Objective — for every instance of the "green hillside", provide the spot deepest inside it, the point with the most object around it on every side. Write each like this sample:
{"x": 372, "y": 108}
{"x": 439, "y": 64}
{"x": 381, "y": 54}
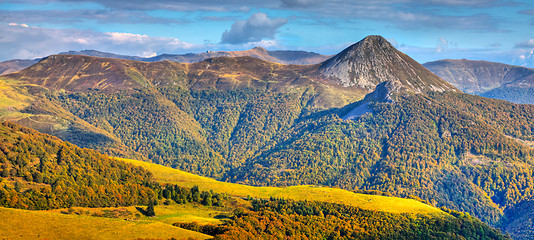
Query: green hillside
{"x": 39, "y": 171}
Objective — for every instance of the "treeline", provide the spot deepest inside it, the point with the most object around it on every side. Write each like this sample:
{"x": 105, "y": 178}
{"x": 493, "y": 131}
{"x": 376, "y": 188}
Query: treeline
{"x": 41, "y": 172}
{"x": 286, "y": 219}
{"x": 183, "y": 195}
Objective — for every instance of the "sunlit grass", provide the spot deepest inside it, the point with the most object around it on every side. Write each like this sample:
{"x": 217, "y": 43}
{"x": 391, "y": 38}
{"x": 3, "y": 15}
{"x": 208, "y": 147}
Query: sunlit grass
{"x": 10, "y": 98}
{"x": 24, "y": 224}
{"x": 311, "y": 193}
{"x": 169, "y": 214}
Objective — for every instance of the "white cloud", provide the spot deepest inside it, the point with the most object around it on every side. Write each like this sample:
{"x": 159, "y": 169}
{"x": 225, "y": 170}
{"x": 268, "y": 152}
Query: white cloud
{"x": 444, "y": 44}
{"x": 256, "y": 28}
{"x": 19, "y": 24}
{"x": 149, "y": 54}
{"x": 19, "y": 41}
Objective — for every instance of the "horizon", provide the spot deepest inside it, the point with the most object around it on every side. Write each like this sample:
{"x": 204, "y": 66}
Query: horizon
{"x": 490, "y": 30}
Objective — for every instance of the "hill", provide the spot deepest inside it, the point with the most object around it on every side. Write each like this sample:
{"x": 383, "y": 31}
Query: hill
{"x": 299, "y": 193}
{"x": 15, "y": 65}
{"x": 24, "y": 224}
{"x": 321, "y": 212}
{"x": 41, "y": 172}
{"x": 278, "y": 56}
{"x": 391, "y": 126}
{"x": 487, "y": 79}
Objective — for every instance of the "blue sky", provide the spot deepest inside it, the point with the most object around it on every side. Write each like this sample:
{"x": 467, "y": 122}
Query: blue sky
{"x": 427, "y": 30}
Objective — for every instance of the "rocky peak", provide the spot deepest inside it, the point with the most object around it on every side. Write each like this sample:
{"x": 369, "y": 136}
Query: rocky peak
{"x": 374, "y": 60}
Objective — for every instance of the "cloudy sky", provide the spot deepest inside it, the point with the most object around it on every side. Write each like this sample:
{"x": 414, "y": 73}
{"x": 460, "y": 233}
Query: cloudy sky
{"x": 493, "y": 30}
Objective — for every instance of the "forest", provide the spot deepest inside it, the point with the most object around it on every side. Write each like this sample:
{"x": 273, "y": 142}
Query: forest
{"x": 430, "y": 146}
{"x": 283, "y": 219}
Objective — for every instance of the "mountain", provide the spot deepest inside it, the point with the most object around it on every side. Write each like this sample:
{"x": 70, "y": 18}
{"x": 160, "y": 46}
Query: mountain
{"x": 373, "y": 61}
{"x": 280, "y": 56}
{"x": 95, "y": 53}
{"x": 15, "y": 65}
{"x": 368, "y": 119}
{"x": 487, "y": 79}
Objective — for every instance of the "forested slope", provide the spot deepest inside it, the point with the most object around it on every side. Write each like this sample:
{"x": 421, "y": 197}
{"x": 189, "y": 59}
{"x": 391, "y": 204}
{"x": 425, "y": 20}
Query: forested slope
{"x": 42, "y": 172}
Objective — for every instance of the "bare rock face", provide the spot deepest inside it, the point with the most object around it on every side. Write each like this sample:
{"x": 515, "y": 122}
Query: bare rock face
{"x": 373, "y": 61}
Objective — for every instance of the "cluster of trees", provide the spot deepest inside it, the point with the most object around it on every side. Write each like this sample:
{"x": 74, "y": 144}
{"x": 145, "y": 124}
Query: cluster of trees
{"x": 149, "y": 124}
{"x": 283, "y": 219}
{"x": 191, "y": 195}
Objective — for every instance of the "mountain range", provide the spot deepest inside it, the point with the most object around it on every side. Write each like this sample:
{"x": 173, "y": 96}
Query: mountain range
{"x": 279, "y": 56}
{"x": 487, "y": 79}
{"x": 368, "y": 119}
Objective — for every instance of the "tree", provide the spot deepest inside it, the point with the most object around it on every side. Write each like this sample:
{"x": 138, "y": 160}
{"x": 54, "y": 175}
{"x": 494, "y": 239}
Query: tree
{"x": 149, "y": 212}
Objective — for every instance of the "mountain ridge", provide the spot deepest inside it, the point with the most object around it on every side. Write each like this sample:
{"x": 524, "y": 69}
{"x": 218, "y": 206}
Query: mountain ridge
{"x": 278, "y": 56}
{"x": 487, "y": 79}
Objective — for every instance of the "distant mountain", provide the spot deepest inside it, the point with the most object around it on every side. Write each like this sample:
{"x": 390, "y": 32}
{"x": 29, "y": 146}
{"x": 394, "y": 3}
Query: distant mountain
{"x": 15, "y": 65}
{"x": 487, "y": 79}
{"x": 369, "y": 118}
{"x": 280, "y": 56}
{"x": 95, "y": 53}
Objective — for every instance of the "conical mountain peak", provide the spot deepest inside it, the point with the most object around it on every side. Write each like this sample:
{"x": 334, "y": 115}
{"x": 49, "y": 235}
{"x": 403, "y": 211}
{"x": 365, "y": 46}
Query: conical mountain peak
{"x": 374, "y": 60}
{"x": 374, "y": 41}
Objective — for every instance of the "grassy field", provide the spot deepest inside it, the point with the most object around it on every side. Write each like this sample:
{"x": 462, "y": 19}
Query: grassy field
{"x": 311, "y": 193}
{"x": 169, "y": 214}
{"x": 23, "y": 224}
{"x": 11, "y": 98}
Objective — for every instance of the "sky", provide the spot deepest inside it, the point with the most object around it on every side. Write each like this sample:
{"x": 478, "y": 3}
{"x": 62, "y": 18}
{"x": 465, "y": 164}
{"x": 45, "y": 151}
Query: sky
{"x": 426, "y": 30}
